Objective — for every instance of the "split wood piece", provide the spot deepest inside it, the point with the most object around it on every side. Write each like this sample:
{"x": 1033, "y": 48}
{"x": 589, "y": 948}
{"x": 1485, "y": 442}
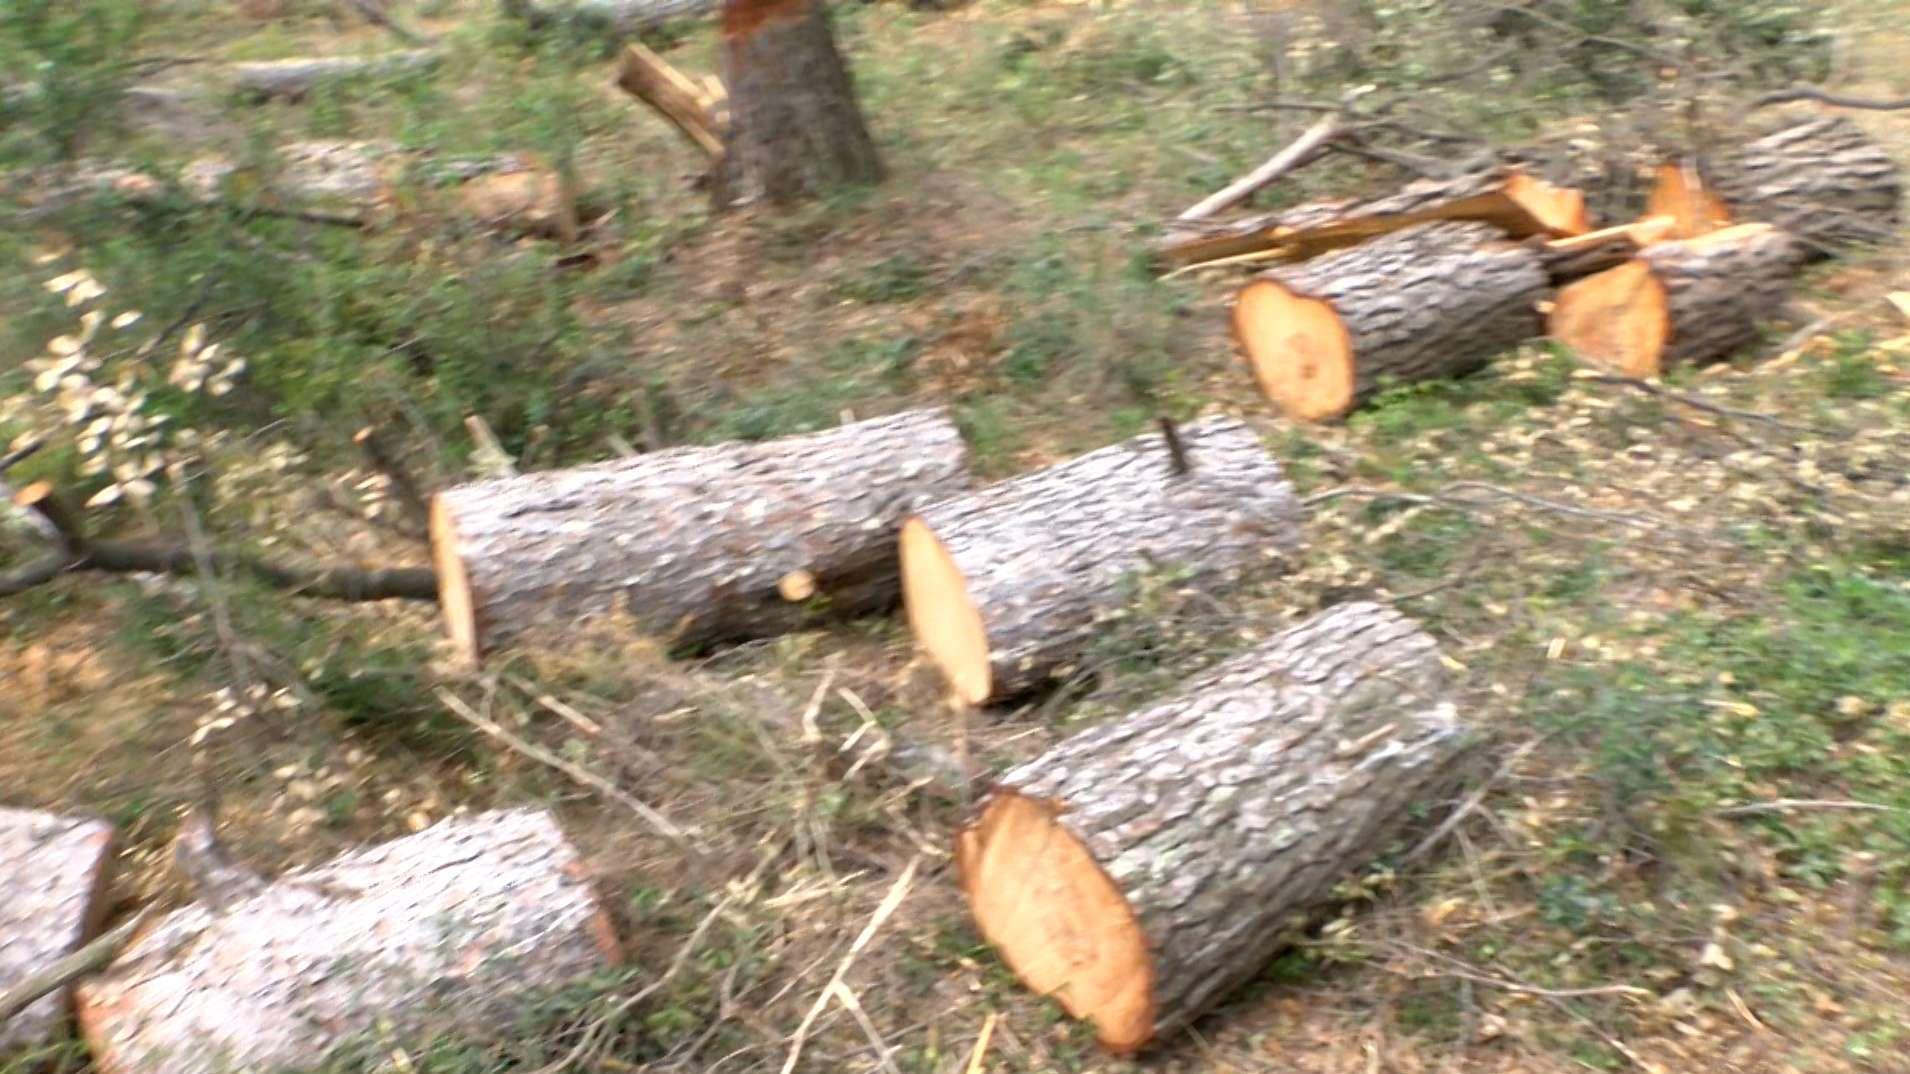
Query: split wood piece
{"x": 612, "y": 18}
{"x": 1695, "y": 301}
{"x": 698, "y": 113}
{"x": 1681, "y": 195}
{"x": 1141, "y": 870}
{"x": 1578, "y": 256}
{"x": 54, "y": 873}
{"x": 1436, "y": 300}
{"x": 453, "y": 929}
{"x": 1006, "y": 585}
{"x": 294, "y": 78}
{"x": 1507, "y": 198}
{"x": 1824, "y": 181}
{"x": 694, "y": 544}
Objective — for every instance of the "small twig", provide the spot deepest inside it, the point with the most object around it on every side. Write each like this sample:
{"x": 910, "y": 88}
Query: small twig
{"x": 1445, "y": 498}
{"x": 980, "y": 1054}
{"x": 1812, "y": 93}
{"x": 1697, "y": 403}
{"x": 1466, "y": 972}
{"x": 1424, "y": 167}
{"x": 661, "y": 824}
{"x": 410, "y": 497}
{"x": 92, "y": 958}
{"x": 890, "y": 902}
{"x": 1303, "y": 148}
{"x": 1176, "y": 450}
{"x": 1451, "y": 823}
{"x": 1791, "y": 805}
{"x": 847, "y": 997}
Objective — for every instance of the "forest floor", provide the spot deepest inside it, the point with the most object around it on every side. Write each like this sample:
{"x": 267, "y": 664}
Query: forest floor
{"x": 1669, "y": 609}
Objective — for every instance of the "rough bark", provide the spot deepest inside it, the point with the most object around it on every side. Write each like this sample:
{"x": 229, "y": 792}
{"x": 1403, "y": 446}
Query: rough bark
{"x": 699, "y": 115}
{"x": 693, "y": 543}
{"x": 1693, "y": 301}
{"x": 448, "y": 930}
{"x": 1435, "y": 300}
{"x": 54, "y": 873}
{"x": 613, "y": 18}
{"x": 1506, "y": 198}
{"x": 1579, "y": 256}
{"x": 1007, "y": 584}
{"x": 294, "y": 78}
{"x": 1822, "y": 180}
{"x": 796, "y": 128}
{"x": 1143, "y": 869}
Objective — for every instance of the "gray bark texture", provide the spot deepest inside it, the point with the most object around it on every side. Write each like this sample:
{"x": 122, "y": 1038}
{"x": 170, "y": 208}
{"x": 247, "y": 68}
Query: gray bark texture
{"x": 1227, "y": 814}
{"x": 293, "y": 79}
{"x": 796, "y": 129}
{"x": 449, "y": 930}
{"x": 1822, "y": 180}
{"x": 613, "y": 18}
{"x": 54, "y": 872}
{"x": 1048, "y": 556}
{"x": 692, "y": 543}
{"x": 1719, "y": 292}
{"x": 1433, "y": 300}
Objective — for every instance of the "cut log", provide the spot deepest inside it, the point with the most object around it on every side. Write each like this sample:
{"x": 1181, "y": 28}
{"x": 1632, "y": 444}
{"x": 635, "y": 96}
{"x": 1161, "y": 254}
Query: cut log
{"x": 1141, "y": 870}
{"x": 54, "y": 873}
{"x": 609, "y": 18}
{"x": 1578, "y": 256}
{"x": 694, "y": 544}
{"x": 1681, "y": 195}
{"x": 1693, "y": 301}
{"x": 293, "y": 79}
{"x": 1008, "y": 584}
{"x": 1436, "y": 300}
{"x": 686, "y": 103}
{"x": 1823, "y": 180}
{"x": 453, "y": 929}
{"x": 1510, "y": 200}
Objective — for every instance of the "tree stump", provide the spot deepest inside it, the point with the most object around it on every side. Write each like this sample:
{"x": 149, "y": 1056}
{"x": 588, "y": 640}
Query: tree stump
{"x": 449, "y": 930}
{"x": 1695, "y": 301}
{"x": 1007, "y": 584}
{"x": 1516, "y": 203}
{"x": 694, "y": 544}
{"x": 1823, "y": 180}
{"x": 795, "y": 126}
{"x": 1142, "y": 869}
{"x": 1436, "y": 300}
{"x": 54, "y": 872}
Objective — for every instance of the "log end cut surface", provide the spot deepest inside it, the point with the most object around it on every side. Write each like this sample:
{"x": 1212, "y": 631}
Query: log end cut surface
{"x": 1059, "y": 922}
{"x": 1299, "y": 349}
{"x": 1619, "y": 318}
{"x": 455, "y": 600}
{"x": 1557, "y": 209}
{"x": 942, "y": 615}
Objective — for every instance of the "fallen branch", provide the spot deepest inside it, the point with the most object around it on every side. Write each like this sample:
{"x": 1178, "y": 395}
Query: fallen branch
{"x": 1302, "y": 150}
{"x": 1451, "y": 823}
{"x": 89, "y": 959}
{"x": 1790, "y": 805}
{"x": 1812, "y": 93}
{"x": 373, "y": 11}
{"x": 890, "y": 902}
{"x": 1445, "y": 497}
{"x": 295, "y": 78}
{"x": 696, "y": 112}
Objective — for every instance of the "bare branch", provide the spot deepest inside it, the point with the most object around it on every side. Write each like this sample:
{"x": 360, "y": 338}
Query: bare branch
{"x": 1812, "y": 93}
{"x": 89, "y": 959}
{"x": 1303, "y": 149}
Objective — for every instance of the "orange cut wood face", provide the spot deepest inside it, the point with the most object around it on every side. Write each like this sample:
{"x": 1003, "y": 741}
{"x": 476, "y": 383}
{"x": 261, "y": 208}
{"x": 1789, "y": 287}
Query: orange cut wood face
{"x": 1058, "y": 920}
{"x": 1556, "y": 209}
{"x": 1299, "y": 349}
{"x": 1680, "y": 193}
{"x": 1620, "y": 319}
{"x": 455, "y": 601}
{"x": 941, "y": 614}
{"x": 743, "y": 17}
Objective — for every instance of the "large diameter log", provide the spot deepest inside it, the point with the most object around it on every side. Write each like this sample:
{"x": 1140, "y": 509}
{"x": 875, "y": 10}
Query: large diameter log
{"x": 1822, "y": 180}
{"x": 695, "y": 544}
{"x": 294, "y": 78}
{"x": 54, "y": 873}
{"x": 1435, "y": 300}
{"x": 453, "y": 929}
{"x": 1695, "y": 301}
{"x": 1006, "y": 585}
{"x": 1143, "y": 869}
{"x": 1510, "y": 200}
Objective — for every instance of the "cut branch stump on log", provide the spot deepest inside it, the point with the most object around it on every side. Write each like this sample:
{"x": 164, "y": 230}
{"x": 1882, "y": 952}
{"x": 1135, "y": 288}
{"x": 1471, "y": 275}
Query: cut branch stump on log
{"x": 693, "y": 543}
{"x": 1510, "y": 200}
{"x": 1141, "y": 870}
{"x": 1695, "y": 301}
{"x": 1005, "y": 585}
{"x": 1435, "y": 300}
{"x": 451, "y": 929}
{"x": 1823, "y": 180}
{"x": 54, "y": 873}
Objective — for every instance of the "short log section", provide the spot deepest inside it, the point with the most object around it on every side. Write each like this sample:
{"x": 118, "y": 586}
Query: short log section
{"x": 1823, "y": 180}
{"x": 1695, "y": 301}
{"x": 1436, "y": 300}
{"x": 694, "y": 544}
{"x": 54, "y": 872}
{"x": 1517, "y": 204}
{"x": 1143, "y": 869}
{"x": 449, "y": 930}
{"x": 1008, "y": 584}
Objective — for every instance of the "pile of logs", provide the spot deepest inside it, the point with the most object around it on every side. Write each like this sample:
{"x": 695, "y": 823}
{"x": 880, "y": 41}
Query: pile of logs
{"x": 1435, "y": 280}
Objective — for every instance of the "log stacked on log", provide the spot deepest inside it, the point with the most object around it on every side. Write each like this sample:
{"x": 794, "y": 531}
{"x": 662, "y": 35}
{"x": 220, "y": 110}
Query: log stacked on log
{"x": 1141, "y": 870}
{"x": 1823, "y": 180}
{"x": 295, "y": 78}
{"x": 1433, "y": 300}
{"x": 1005, "y": 585}
{"x": 54, "y": 873}
{"x": 1510, "y": 200}
{"x": 451, "y": 929}
{"x": 694, "y": 544}
{"x": 1694, "y": 301}
{"x": 1578, "y": 256}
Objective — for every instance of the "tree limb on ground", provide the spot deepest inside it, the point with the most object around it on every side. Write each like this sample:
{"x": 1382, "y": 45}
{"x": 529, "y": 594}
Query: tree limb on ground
{"x": 1303, "y": 149}
{"x": 1812, "y": 93}
{"x": 89, "y": 959}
